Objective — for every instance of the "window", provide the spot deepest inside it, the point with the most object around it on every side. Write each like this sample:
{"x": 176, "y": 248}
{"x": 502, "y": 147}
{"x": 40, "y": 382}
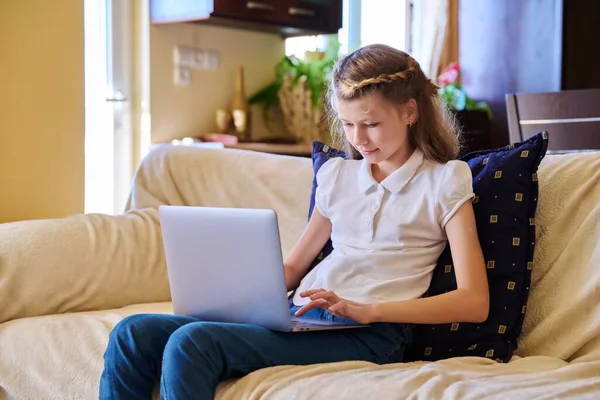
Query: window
{"x": 386, "y": 22}
{"x": 108, "y": 123}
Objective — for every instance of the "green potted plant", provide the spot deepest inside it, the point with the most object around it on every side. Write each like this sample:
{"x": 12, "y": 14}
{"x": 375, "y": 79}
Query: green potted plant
{"x": 473, "y": 116}
{"x": 455, "y": 96}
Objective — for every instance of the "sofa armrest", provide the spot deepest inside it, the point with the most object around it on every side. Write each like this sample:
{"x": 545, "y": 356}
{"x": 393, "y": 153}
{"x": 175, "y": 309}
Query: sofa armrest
{"x": 79, "y": 263}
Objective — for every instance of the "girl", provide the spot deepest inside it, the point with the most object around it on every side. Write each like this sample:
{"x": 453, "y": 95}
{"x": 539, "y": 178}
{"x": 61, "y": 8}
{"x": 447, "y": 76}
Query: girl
{"x": 389, "y": 216}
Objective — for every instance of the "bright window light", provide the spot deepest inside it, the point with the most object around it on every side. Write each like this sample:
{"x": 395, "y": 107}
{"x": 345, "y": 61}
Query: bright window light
{"x": 387, "y": 27}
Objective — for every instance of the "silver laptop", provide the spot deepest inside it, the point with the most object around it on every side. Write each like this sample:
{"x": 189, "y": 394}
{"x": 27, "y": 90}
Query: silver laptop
{"x": 225, "y": 265}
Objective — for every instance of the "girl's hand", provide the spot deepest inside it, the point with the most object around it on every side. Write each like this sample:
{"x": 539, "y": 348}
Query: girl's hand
{"x": 321, "y": 298}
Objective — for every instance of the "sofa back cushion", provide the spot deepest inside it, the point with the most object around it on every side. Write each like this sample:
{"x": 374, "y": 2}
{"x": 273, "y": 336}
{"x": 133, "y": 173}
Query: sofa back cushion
{"x": 563, "y": 311}
{"x": 506, "y": 190}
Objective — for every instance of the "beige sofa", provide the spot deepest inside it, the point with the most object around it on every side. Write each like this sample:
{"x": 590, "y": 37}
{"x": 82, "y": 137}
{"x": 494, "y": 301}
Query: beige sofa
{"x": 65, "y": 283}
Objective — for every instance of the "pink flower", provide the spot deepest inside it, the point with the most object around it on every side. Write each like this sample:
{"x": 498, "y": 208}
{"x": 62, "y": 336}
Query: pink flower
{"x": 449, "y": 75}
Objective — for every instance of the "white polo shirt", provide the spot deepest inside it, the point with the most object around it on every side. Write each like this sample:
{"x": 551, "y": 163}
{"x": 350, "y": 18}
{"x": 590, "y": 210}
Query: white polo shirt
{"x": 386, "y": 236}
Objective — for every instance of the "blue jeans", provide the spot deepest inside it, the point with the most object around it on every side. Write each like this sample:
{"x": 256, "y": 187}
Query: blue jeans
{"x": 190, "y": 357}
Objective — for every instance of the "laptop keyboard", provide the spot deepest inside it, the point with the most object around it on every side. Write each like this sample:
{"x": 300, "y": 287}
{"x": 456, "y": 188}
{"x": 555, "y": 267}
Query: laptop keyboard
{"x": 302, "y": 322}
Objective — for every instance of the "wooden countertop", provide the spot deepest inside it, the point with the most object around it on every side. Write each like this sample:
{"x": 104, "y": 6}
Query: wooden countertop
{"x": 300, "y": 150}
{"x": 303, "y": 150}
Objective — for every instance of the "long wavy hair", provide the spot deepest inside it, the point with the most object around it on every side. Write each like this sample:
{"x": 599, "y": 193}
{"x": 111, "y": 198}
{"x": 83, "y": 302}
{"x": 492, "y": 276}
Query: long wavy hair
{"x": 397, "y": 77}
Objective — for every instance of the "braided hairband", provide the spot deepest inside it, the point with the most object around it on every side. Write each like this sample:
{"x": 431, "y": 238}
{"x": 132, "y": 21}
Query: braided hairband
{"x": 349, "y": 89}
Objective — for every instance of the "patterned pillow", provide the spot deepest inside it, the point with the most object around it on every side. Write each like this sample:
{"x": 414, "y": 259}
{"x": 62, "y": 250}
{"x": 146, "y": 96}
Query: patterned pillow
{"x": 506, "y": 190}
{"x": 320, "y": 154}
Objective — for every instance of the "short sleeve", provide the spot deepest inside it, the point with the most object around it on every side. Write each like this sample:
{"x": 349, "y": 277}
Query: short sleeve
{"x": 326, "y": 177}
{"x": 455, "y": 188}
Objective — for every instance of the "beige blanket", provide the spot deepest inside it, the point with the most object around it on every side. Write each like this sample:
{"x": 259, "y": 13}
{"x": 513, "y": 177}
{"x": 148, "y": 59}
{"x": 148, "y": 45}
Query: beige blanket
{"x": 60, "y": 357}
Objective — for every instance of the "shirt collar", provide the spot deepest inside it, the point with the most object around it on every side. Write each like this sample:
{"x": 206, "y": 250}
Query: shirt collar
{"x": 396, "y": 181}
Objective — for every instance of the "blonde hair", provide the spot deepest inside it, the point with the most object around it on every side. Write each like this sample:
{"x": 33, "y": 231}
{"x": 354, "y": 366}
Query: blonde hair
{"x": 397, "y": 77}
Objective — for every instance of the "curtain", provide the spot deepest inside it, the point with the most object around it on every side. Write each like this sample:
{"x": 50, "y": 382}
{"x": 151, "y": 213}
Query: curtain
{"x": 436, "y": 33}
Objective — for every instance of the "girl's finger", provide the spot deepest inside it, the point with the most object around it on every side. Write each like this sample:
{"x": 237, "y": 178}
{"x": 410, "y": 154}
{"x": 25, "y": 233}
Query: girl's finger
{"x": 320, "y": 303}
{"x": 307, "y": 293}
{"x": 330, "y": 296}
{"x": 339, "y": 310}
{"x": 337, "y": 307}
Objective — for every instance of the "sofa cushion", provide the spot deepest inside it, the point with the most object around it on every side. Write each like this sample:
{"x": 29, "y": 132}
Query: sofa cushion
{"x": 506, "y": 191}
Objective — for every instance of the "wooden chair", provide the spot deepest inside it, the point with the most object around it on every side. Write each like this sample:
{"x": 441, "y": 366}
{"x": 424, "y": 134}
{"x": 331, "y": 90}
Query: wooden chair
{"x": 571, "y": 118}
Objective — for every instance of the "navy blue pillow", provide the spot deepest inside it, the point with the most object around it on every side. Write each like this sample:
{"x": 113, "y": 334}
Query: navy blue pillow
{"x": 320, "y": 154}
{"x": 506, "y": 191}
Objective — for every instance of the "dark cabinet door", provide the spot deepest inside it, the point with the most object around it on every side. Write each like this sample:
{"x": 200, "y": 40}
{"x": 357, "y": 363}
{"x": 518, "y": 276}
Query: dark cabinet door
{"x": 320, "y": 15}
{"x": 266, "y": 11}
{"x": 288, "y": 17}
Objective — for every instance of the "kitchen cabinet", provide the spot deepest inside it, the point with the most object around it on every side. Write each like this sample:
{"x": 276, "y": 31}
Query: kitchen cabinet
{"x": 285, "y": 17}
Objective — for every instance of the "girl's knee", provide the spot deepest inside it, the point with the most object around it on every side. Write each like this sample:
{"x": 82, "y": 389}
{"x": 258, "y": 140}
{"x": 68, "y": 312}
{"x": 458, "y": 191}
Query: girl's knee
{"x": 193, "y": 338}
{"x": 134, "y": 327}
